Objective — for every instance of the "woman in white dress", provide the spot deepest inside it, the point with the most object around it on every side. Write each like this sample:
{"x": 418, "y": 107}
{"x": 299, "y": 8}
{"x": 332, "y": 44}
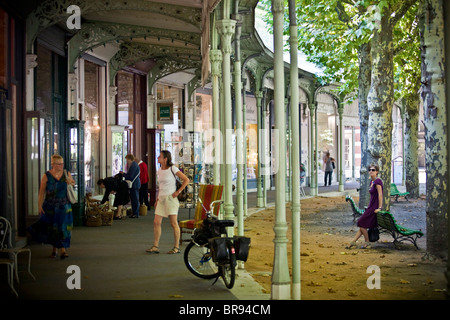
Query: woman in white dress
{"x": 167, "y": 205}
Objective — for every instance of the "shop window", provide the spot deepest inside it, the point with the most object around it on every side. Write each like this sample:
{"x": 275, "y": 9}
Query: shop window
{"x": 3, "y": 48}
{"x": 173, "y": 139}
{"x": 44, "y": 80}
{"x": 92, "y": 126}
{"x": 125, "y": 98}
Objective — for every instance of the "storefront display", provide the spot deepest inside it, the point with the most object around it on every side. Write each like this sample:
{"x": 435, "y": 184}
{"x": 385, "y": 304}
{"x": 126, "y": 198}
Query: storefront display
{"x": 118, "y": 147}
{"x": 92, "y": 126}
{"x": 74, "y": 164}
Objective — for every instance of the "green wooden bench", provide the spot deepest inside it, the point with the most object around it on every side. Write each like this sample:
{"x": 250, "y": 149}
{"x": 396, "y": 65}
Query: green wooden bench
{"x": 357, "y": 212}
{"x": 387, "y": 224}
{"x": 395, "y": 193}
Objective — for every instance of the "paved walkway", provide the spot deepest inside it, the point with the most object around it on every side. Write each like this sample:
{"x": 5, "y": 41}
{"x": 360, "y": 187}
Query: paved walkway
{"x": 114, "y": 265}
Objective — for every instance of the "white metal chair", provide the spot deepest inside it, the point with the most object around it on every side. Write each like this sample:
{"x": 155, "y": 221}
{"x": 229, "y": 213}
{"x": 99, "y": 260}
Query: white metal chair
{"x": 6, "y": 246}
{"x": 10, "y": 265}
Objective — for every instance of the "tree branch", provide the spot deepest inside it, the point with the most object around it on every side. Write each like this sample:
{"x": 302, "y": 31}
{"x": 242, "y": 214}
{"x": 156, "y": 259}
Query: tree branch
{"x": 401, "y": 11}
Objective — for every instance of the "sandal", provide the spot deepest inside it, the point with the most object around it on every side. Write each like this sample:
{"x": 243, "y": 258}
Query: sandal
{"x": 351, "y": 245}
{"x": 53, "y": 255}
{"x": 366, "y": 245}
{"x": 64, "y": 255}
{"x": 174, "y": 250}
{"x": 151, "y": 250}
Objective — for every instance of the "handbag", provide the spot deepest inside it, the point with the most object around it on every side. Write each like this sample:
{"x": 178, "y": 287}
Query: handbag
{"x": 374, "y": 234}
{"x": 183, "y": 194}
{"x": 130, "y": 183}
{"x": 71, "y": 194}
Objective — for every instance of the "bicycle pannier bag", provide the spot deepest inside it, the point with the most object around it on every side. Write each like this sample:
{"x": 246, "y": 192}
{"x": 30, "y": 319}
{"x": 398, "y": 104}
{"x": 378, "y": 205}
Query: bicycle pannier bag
{"x": 219, "y": 249}
{"x": 241, "y": 246}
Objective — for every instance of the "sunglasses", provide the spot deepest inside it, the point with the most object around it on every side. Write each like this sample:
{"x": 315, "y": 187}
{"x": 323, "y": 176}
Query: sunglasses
{"x": 372, "y": 169}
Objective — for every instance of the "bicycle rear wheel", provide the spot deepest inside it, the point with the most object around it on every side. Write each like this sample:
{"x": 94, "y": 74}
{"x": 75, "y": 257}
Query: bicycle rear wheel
{"x": 228, "y": 273}
{"x": 199, "y": 261}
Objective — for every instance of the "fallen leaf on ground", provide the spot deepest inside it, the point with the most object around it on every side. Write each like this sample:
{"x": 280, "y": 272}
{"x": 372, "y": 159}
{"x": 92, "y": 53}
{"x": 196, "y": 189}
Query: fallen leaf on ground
{"x": 404, "y": 281}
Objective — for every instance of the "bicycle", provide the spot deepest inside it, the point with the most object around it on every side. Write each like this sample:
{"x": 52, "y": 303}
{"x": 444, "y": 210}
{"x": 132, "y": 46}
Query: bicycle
{"x": 211, "y": 253}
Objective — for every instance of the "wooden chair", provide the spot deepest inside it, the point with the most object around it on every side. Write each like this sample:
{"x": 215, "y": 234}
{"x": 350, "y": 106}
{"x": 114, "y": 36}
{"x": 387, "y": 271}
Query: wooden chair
{"x": 207, "y": 193}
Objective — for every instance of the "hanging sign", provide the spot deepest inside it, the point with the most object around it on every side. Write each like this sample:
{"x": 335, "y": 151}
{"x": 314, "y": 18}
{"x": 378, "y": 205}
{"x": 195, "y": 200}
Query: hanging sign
{"x": 165, "y": 112}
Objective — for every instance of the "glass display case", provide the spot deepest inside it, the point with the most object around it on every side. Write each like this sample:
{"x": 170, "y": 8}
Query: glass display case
{"x": 155, "y": 137}
{"x": 119, "y": 148}
{"x": 75, "y": 165}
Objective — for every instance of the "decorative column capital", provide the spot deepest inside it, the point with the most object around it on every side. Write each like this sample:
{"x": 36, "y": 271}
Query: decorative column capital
{"x": 226, "y": 29}
{"x": 31, "y": 62}
{"x": 340, "y": 110}
{"x": 216, "y": 60}
{"x": 72, "y": 79}
{"x": 258, "y": 94}
{"x": 278, "y": 6}
{"x": 112, "y": 91}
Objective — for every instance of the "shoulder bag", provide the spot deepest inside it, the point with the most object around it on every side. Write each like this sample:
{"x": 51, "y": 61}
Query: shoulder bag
{"x": 71, "y": 194}
{"x": 130, "y": 183}
{"x": 374, "y": 234}
{"x": 183, "y": 194}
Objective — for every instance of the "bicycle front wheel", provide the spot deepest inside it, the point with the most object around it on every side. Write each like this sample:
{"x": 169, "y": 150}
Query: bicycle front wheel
{"x": 199, "y": 261}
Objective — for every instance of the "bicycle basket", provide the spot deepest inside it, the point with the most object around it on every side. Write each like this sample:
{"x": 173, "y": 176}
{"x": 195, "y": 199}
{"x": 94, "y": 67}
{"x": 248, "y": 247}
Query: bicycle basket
{"x": 219, "y": 249}
{"x": 241, "y": 247}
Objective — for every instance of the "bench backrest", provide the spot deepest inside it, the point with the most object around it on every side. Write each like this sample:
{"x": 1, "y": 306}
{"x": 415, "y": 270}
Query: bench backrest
{"x": 208, "y": 193}
{"x": 386, "y": 220}
{"x": 353, "y": 205}
{"x": 394, "y": 188}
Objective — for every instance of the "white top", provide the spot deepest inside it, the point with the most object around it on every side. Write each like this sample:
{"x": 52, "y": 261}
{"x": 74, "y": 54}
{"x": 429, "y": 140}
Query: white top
{"x": 166, "y": 181}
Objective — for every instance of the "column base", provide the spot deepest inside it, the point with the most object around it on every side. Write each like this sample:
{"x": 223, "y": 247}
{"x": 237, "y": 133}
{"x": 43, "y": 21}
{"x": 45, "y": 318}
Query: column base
{"x": 296, "y": 291}
{"x": 281, "y": 291}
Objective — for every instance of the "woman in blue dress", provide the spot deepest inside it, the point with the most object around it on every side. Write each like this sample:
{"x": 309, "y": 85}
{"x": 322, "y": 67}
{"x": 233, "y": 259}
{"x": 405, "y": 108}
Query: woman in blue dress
{"x": 369, "y": 218}
{"x": 54, "y": 207}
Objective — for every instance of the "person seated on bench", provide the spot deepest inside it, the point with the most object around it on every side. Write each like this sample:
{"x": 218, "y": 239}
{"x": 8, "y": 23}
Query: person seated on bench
{"x": 369, "y": 217}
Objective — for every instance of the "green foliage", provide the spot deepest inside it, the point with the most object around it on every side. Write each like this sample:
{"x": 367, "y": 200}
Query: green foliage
{"x": 331, "y": 33}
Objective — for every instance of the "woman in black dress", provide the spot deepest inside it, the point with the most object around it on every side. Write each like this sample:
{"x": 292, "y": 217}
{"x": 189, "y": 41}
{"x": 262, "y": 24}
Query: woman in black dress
{"x": 118, "y": 186}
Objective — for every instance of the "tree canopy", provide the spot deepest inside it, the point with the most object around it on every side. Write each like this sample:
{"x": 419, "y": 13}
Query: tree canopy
{"x": 332, "y": 32}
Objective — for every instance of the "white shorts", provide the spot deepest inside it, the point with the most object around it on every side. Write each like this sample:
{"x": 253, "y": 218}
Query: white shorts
{"x": 167, "y": 205}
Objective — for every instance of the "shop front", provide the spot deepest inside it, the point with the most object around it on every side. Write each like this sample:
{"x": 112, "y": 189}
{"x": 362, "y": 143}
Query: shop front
{"x": 11, "y": 106}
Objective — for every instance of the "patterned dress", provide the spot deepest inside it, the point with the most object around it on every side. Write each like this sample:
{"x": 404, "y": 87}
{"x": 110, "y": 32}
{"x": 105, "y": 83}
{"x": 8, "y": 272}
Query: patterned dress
{"x": 369, "y": 217}
{"x": 57, "y": 221}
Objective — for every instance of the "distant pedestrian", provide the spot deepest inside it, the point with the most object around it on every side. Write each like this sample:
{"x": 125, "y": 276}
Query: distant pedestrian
{"x": 329, "y": 165}
{"x": 132, "y": 175}
{"x": 368, "y": 219}
{"x": 143, "y": 191}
